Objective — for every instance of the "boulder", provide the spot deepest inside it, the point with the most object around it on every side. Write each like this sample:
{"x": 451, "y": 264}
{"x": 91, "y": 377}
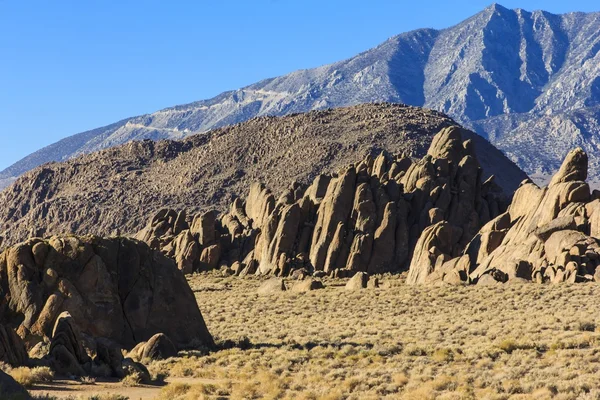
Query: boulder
{"x": 274, "y": 285}
{"x": 358, "y": 281}
{"x": 433, "y": 248}
{"x": 203, "y": 227}
{"x": 116, "y": 288}
{"x": 158, "y": 347}
{"x": 307, "y": 285}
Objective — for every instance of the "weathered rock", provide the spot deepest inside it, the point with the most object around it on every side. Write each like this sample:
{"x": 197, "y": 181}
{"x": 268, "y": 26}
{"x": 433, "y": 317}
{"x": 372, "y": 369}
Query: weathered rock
{"x": 335, "y": 208}
{"x": 358, "y": 281}
{"x": 117, "y": 288}
{"x": 434, "y": 244}
{"x": 366, "y": 218}
{"x": 12, "y": 348}
{"x": 573, "y": 168}
{"x": 187, "y": 252}
{"x": 67, "y": 354}
{"x": 158, "y": 347}
{"x": 203, "y": 227}
{"x": 307, "y": 285}
{"x": 384, "y": 242}
{"x": 210, "y": 256}
{"x": 274, "y": 285}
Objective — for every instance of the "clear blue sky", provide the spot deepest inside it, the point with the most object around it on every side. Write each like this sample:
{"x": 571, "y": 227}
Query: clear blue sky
{"x": 67, "y": 66}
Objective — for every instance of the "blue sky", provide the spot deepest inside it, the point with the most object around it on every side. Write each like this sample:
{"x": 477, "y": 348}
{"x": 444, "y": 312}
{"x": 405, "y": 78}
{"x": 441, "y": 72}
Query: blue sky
{"x": 67, "y": 66}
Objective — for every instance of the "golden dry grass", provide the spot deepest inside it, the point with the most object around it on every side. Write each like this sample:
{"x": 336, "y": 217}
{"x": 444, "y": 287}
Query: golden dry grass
{"x": 30, "y": 376}
{"x": 449, "y": 342}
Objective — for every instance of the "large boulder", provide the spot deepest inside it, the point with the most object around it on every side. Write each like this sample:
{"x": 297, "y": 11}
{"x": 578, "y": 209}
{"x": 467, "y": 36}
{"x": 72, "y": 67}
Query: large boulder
{"x": 158, "y": 347}
{"x": 307, "y": 285}
{"x": 117, "y": 288}
{"x": 358, "y": 281}
{"x": 67, "y": 354}
{"x": 273, "y": 285}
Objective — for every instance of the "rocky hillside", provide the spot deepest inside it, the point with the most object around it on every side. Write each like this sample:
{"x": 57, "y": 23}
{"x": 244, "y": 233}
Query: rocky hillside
{"x": 116, "y": 190}
{"x": 367, "y": 218}
{"x": 522, "y": 79}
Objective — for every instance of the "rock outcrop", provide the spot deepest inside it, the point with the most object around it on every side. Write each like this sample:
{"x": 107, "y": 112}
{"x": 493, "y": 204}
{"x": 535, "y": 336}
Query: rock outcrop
{"x": 118, "y": 289}
{"x": 66, "y": 348}
{"x": 366, "y": 218}
{"x": 547, "y": 235}
{"x": 12, "y": 348}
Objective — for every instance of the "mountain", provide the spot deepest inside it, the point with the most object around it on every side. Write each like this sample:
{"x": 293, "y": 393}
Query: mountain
{"x": 115, "y": 191}
{"x": 527, "y": 81}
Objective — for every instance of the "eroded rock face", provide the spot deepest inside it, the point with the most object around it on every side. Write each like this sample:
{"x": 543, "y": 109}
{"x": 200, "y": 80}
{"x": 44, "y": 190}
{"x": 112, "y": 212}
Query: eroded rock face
{"x": 548, "y": 235}
{"x": 12, "y": 348}
{"x": 66, "y": 348}
{"x": 367, "y": 218}
{"x": 117, "y": 289}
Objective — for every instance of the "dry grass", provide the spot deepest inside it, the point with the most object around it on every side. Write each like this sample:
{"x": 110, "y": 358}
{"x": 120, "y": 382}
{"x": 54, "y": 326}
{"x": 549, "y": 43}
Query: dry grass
{"x": 30, "y": 376}
{"x": 512, "y": 341}
{"x": 94, "y": 397}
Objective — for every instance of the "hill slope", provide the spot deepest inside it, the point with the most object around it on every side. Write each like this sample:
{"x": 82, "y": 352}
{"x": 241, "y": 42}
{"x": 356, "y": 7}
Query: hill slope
{"x": 116, "y": 190}
{"x": 521, "y": 79}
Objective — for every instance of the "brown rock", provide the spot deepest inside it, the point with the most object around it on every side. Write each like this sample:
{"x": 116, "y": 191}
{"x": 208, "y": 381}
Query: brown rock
{"x": 210, "y": 257}
{"x": 435, "y": 241}
{"x": 384, "y": 242}
{"x": 203, "y": 227}
{"x": 573, "y": 168}
{"x": 307, "y": 285}
{"x": 335, "y": 208}
{"x": 274, "y": 285}
{"x": 158, "y": 347}
{"x": 117, "y": 288}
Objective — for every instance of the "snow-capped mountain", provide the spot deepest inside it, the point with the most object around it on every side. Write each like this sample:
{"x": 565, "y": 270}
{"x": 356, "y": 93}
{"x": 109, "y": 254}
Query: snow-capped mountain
{"x": 527, "y": 81}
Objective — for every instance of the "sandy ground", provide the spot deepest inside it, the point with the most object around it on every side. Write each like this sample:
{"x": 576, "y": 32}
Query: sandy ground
{"x": 66, "y": 388}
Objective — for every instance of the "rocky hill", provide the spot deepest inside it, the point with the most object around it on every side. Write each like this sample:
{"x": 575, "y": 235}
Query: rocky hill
{"x": 521, "y": 79}
{"x": 116, "y": 190}
{"x": 366, "y": 218}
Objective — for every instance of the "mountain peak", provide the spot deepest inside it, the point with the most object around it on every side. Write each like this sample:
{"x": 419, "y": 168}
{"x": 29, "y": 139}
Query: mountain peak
{"x": 511, "y": 74}
{"x": 495, "y": 7}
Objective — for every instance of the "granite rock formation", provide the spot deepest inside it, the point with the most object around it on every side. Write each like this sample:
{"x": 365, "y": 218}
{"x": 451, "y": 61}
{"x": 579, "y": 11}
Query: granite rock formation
{"x": 366, "y": 218}
{"x": 118, "y": 289}
{"x": 548, "y": 235}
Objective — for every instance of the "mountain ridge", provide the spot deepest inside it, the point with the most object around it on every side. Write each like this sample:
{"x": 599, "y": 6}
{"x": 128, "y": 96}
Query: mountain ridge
{"x": 114, "y": 191}
{"x": 527, "y": 66}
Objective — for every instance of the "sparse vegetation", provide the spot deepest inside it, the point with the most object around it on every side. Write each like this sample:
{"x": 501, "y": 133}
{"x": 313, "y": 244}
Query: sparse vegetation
{"x": 31, "y": 376}
{"x": 395, "y": 342}
{"x": 408, "y": 342}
